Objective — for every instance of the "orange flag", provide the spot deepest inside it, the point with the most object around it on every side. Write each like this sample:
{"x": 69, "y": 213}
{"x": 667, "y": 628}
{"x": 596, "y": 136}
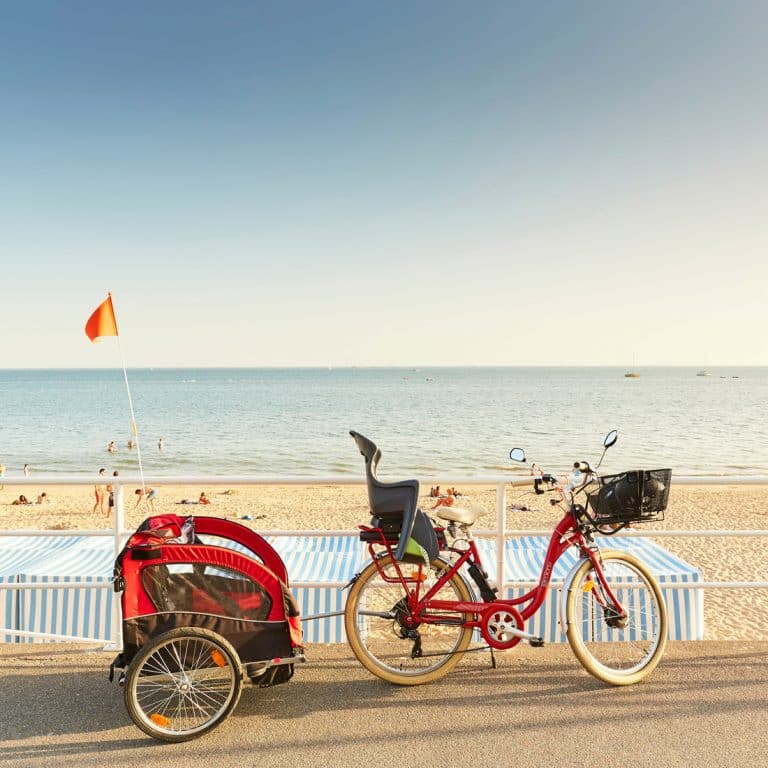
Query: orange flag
{"x": 102, "y": 322}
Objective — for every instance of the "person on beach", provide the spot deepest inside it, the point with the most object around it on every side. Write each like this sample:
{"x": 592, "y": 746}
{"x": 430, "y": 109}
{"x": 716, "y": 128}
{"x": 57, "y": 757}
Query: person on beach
{"x": 202, "y": 500}
{"x": 444, "y": 501}
{"x": 42, "y": 498}
{"x": 26, "y": 470}
{"x": 111, "y": 491}
{"x": 100, "y": 491}
{"x": 21, "y": 500}
{"x": 160, "y": 444}
{"x": 2, "y": 474}
{"x": 112, "y": 448}
{"x": 130, "y": 445}
{"x": 150, "y": 494}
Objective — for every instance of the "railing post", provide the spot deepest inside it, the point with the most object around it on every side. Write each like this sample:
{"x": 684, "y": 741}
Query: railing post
{"x": 116, "y": 633}
{"x": 501, "y": 527}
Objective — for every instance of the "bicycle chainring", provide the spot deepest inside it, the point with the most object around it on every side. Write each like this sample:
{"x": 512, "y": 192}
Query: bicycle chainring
{"x": 495, "y": 625}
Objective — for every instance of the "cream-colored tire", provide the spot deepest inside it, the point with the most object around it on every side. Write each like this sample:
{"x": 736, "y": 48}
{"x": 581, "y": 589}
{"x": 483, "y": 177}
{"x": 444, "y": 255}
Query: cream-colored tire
{"x": 376, "y": 636}
{"x": 617, "y": 650}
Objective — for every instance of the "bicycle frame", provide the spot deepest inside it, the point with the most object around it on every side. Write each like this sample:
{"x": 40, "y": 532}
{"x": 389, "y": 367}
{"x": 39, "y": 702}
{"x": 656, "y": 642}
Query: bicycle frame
{"x": 426, "y": 610}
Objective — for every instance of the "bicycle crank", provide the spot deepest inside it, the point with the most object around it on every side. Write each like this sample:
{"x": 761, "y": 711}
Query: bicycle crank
{"x": 502, "y": 628}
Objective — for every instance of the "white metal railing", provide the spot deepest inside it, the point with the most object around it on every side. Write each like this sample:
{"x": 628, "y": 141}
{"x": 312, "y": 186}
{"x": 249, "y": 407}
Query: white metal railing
{"x": 119, "y": 533}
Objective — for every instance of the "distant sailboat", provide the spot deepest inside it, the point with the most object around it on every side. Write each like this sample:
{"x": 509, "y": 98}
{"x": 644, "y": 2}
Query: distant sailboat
{"x": 633, "y": 373}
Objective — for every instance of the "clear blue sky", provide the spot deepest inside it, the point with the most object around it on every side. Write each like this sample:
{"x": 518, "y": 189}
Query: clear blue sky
{"x": 376, "y": 183}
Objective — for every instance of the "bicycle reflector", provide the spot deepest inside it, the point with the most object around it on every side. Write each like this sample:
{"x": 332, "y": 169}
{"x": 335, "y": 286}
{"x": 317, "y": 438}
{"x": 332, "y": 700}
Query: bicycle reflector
{"x": 160, "y": 720}
{"x": 217, "y": 657}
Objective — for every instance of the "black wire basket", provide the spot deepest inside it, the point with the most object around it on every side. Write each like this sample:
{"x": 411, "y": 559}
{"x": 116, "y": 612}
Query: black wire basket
{"x": 635, "y": 496}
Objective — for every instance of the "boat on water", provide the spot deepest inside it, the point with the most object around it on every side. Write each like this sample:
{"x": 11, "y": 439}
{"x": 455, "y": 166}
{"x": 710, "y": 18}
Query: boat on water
{"x": 632, "y": 373}
{"x": 703, "y": 373}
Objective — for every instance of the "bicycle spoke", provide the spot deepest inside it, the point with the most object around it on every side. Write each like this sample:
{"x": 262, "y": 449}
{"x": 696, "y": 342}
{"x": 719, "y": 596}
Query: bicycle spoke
{"x": 181, "y": 689}
{"x": 617, "y": 642}
{"x": 388, "y": 642}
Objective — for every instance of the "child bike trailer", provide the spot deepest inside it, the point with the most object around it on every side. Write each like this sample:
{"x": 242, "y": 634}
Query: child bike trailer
{"x": 205, "y": 604}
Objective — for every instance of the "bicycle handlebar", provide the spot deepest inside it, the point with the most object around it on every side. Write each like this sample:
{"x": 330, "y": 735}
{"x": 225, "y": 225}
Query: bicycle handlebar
{"x": 583, "y": 474}
{"x": 545, "y": 478}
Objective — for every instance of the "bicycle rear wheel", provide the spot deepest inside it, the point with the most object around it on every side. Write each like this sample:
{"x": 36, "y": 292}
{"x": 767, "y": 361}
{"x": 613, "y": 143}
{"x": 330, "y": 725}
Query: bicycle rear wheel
{"x": 618, "y": 647}
{"x": 182, "y": 684}
{"x": 373, "y": 619}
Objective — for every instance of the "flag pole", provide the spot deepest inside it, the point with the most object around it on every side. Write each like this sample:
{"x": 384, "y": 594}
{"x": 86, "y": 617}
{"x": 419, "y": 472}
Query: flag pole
{"x": 134, "y": 428}
{"x": 103, "y": 322}
{"x": 133, "y": 418}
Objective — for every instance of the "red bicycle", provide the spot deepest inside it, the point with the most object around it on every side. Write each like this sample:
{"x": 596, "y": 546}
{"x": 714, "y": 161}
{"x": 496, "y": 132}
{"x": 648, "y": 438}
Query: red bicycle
{"x": 412, "y": 612}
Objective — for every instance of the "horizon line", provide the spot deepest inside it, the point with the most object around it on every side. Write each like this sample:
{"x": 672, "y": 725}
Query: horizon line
{"x": 402, "y": 366}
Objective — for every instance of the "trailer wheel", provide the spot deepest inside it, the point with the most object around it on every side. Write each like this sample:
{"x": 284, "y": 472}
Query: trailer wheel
{"x": 182, "y": 684}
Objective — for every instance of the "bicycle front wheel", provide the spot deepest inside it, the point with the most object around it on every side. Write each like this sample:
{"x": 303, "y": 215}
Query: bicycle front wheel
{"x": 383, "y": 642}
{"x": 621, "y": 644}
{"x": 182, "y": 684}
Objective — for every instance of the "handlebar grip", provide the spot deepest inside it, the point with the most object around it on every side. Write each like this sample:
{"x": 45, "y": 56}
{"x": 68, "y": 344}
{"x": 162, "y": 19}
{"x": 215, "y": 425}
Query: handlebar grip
{"x": 537, "y": 481}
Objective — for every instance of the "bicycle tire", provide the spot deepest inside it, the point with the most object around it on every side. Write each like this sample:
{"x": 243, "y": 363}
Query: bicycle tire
{"x": 376, "y": 640}
{"x": 615, "y": 654}
{"x": 182, "y": 684}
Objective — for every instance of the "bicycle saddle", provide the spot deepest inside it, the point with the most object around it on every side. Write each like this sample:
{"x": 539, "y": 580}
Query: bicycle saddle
{"x": 461, "y": 515}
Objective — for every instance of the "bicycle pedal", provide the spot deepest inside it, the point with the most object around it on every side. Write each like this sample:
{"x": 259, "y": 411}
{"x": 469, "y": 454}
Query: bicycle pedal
{"x": 537, "y": 642}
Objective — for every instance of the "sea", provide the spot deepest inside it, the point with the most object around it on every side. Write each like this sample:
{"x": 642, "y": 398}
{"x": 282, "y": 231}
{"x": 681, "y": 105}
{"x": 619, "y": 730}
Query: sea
{"x": 428, "y": 422}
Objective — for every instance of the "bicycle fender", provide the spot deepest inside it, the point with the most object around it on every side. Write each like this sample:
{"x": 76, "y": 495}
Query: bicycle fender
{"x": 565, "y": 591}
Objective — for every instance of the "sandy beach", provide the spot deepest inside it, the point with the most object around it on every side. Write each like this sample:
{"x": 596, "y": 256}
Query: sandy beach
{"x": 733, "y": 614}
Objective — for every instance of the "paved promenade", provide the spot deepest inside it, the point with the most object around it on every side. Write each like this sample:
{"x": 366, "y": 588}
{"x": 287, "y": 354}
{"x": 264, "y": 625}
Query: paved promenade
{"x": 706, "y": 704}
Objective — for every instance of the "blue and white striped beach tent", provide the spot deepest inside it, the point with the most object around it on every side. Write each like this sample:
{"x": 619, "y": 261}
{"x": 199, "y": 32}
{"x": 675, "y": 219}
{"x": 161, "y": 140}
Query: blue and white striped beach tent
{"x": 54, "y": 560}
{"x": 8, "y": 608}
{"x": 524, "y": 558}
{"x": 323, "y": 564}
{"x": 328, "y": 560}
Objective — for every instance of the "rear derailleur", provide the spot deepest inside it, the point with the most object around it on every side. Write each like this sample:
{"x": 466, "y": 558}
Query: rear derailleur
{"x": 404, "y": 627}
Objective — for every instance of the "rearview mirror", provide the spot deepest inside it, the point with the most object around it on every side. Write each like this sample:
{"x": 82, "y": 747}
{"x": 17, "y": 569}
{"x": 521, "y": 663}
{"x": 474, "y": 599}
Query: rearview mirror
{"x": 610, "y": 438}
{"x": 517, "y": 454}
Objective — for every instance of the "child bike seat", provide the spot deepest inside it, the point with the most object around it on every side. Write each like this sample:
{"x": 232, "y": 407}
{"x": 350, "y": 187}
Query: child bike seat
{"x": 396, "y": 500}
